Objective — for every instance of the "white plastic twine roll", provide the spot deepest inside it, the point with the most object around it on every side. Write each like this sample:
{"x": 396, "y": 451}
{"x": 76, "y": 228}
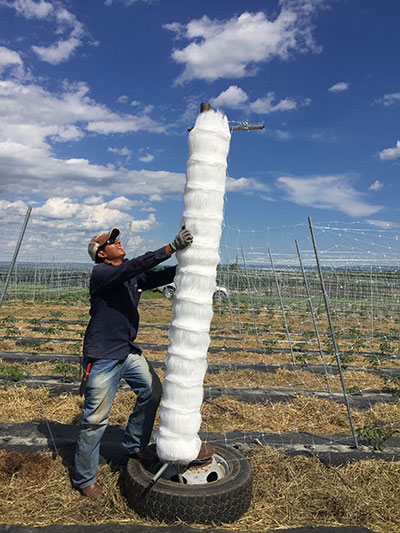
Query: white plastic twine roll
{"x": 186, "y": 361}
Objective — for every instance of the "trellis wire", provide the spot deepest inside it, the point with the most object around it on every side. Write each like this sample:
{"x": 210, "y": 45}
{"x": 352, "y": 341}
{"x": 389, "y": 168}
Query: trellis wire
{"x": 250, "y": 297}
{"x": 282, "y": 308}
{"x": 361, "y": 295}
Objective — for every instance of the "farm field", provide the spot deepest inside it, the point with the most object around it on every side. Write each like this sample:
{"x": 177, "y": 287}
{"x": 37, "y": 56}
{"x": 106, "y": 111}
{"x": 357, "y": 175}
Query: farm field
{"x": 261, "y": 384}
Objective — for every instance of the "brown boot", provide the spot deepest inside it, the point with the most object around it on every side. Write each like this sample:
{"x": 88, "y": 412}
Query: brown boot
{"x": 147, "y": 455}
{"x": 92, "y": 491}
{"x": 204, "y": 456}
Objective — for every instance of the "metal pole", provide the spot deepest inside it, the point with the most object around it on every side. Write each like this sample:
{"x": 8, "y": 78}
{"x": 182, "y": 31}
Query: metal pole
{"x": 339, "y": 364}
{"x": 251, "y": 298}
{"x": 282, "y": 308}
{"x": 313, "y": 318}
{"x": 16, "y": 251}
{"x": 159, "y": 473}
{"x": 372, "y": 302}
{"x": 243, "y": 125}
{"x": 247, "y": 127}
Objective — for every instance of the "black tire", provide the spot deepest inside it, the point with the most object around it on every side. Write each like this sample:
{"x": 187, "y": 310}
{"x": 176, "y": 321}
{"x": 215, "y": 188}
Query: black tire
{"x": 219, "y": 296}
{"x": 221, "y": 501}
{"x": 169, "y": 292}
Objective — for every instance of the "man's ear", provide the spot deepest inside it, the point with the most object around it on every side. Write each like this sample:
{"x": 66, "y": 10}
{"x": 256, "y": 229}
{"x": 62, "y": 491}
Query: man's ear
{"x": 102, "y": 254}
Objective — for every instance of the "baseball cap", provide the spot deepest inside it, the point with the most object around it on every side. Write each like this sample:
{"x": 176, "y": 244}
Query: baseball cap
{"x": 100, "y": 239}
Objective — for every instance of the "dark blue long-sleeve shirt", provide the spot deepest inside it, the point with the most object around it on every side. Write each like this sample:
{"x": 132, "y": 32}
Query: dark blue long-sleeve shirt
{"x": 114, "y": 298}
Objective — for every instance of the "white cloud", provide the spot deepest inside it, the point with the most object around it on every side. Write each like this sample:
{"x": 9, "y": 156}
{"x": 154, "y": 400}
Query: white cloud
{"x": 234, "y": 96}
{"x": 238, "y": 185}
{"x": 57, "y": 53}
{"x": 126, "y": 3}
{"x": 303, "y": 5}
{"x": 121, "y": 202}
{"x": 148, "y": 158}
{"x": 383, "y": 224}
{"x": 63, "y": 214}
{"x": 10, "y": 58}
{"x": 156, "y": 197}
{"x": 327, "y": 192}
{"x": 64, "y": 48}
{"x": 93, "y": 200}
{"x": 234, "y": 48}
{"x": 124, "y": 152}
{"x": 65, "y": 21}
{"x": 246, "y": 185}
{"x": 61, "y": 226}
{"x": 281, "y": 135}
{"x": 12, "y": 211}
{"x": 376, "y": 186}
{"x": 339, "y": 87}
{"x": 389, "y": 99}
{"x": 265, "y": 105}
{"x": 59, "y": 208}
{"x": 30, "y": 9}
{"x": 31, "y": 115}
{"x": 145, "y": 225}
{"x": 390, "y": 153}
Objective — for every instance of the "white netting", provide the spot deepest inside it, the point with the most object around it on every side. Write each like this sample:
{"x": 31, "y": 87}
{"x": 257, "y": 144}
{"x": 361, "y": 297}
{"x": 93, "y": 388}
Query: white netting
{"x": 180, "y": 420}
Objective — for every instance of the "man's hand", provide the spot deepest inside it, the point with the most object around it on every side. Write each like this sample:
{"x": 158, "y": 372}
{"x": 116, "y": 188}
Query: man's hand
{"x": 183, "y": 239}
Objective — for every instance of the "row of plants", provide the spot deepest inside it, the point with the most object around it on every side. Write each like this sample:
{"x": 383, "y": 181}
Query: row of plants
{"x": 16, "y": 372}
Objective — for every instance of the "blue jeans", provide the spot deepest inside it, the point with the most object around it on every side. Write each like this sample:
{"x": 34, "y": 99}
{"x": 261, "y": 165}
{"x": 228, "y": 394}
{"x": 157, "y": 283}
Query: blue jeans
{"x": 101, "y": 388}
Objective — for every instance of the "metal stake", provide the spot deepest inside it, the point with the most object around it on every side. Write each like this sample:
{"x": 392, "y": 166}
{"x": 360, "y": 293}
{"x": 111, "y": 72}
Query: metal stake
{"x": 16, "y": 251}
{"x": 160, "y": 472}
{"x": 313, "y": 318}
{"x": 372, "y": 302}
{"x": 282, "y": 308}
{"x": 338, "y": 362}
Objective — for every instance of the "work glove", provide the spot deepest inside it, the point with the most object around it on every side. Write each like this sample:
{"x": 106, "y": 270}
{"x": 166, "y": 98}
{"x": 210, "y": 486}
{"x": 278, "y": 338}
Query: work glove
{"x": 183, "y": 239}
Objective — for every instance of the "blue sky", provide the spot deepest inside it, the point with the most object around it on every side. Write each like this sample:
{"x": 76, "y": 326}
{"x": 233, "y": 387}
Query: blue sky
{"x": 96, "y": 97}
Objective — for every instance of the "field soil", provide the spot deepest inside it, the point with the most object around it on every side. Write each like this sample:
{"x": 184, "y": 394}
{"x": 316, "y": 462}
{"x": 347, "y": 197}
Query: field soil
{"x": 289, "y": 491}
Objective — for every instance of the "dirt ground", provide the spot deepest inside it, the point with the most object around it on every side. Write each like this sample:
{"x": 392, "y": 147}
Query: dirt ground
{"x": 35, "y": 489}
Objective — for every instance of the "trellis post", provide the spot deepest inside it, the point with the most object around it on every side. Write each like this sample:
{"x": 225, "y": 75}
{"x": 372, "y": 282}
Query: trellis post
{"x": 14, "y": 259}
{"x": 336, "y": 350}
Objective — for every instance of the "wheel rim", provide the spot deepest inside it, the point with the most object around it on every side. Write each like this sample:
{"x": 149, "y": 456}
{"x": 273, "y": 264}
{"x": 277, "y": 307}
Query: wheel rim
{"x": 168, "y": 293}
{"x": 213, "y": 471}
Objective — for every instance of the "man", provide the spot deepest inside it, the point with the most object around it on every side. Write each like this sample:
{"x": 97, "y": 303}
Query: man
{"x": 110, "y": 353}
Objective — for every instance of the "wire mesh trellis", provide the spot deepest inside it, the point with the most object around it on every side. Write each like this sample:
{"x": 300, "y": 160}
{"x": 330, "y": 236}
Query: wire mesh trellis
{"x": 360, "y": 267}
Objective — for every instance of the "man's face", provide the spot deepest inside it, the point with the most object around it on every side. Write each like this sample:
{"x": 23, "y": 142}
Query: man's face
{"x": 112, "y": 252}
